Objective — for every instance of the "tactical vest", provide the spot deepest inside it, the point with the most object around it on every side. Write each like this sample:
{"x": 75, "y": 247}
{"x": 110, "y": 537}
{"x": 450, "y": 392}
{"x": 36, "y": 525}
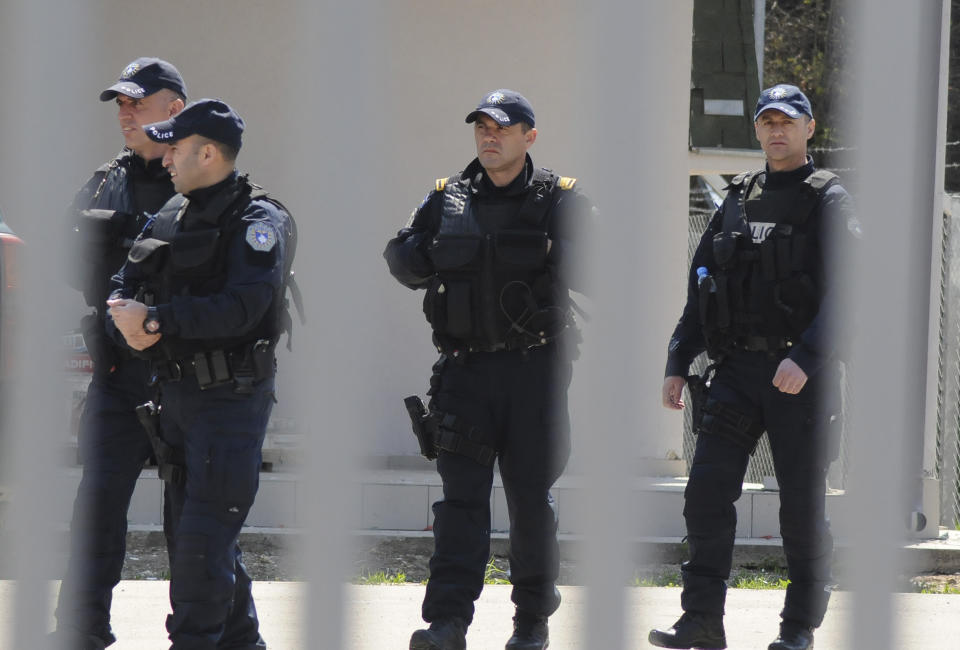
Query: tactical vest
{"x": 193, "y": 263}
{"x": 104, "y": 230}
{"x": 763, "y": 295}
{"x": 493, "y": 289}
{"x": 114, "y": 192}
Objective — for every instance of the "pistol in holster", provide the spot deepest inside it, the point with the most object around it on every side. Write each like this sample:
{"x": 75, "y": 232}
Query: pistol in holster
{"x": 418, "y": 419}
{"x": 699, "y": 387}
{"x": 170, "y": 465}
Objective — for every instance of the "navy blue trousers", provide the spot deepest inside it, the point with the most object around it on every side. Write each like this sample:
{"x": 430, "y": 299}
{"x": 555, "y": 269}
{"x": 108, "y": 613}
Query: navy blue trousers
{"x": 518, "y": 400}
{"x": 113, "y": 449}
{"x": 221, "y": 435}
{"x": 798, "y": 429}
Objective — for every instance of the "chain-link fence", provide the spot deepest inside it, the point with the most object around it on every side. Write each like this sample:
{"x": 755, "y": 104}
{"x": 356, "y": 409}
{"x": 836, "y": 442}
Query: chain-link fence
{"x": 948, "y": 388}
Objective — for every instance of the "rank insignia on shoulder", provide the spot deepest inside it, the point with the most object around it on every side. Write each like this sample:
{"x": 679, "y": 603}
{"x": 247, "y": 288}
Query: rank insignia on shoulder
{"x": 261, "y": 237}
{"x": 441, "y": 183}
{"x": 566, "y": 183}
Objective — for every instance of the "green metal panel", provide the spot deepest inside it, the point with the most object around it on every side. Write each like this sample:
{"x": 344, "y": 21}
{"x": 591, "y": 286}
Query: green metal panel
{"x": 724, "y": 75}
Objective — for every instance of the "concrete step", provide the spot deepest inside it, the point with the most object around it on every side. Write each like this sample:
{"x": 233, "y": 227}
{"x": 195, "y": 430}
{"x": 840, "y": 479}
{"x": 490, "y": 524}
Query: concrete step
{"x": 401, "y": 499}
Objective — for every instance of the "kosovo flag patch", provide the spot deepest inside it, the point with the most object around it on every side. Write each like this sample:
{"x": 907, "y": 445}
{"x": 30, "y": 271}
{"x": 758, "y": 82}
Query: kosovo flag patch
{"x": 261, "y": 237}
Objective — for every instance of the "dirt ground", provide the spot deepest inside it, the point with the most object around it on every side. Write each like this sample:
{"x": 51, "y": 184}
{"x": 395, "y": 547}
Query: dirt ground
{"x": 270, "y": 558}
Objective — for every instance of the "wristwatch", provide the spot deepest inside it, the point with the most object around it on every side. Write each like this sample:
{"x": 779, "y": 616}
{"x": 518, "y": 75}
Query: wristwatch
{"x": 151, "y": 324}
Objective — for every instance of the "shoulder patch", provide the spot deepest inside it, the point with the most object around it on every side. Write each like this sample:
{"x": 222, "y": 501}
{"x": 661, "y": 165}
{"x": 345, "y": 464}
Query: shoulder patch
{"x": 261, "y": 236}
{"x": 566, "y": 183}
{"x": 441, "y": 183}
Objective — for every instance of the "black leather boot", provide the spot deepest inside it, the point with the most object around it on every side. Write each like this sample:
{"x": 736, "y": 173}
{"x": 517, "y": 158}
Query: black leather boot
{"x": 692, "y": 631}
{"x": 529, "y": 632}
{"x": 793, "y": 636}
{"x": 446, "y": 634}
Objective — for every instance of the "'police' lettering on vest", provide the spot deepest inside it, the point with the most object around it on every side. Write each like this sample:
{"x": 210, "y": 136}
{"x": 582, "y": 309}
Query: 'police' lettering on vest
{"x": 760, "y": 230}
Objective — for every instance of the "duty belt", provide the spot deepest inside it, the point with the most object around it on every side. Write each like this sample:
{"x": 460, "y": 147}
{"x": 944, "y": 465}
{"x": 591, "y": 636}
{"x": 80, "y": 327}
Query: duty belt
{"x": 242, "y": 367}
{"x": 506, "y": 346}
{"x": 210, "y": 368}
{"x": 763, "y": 343}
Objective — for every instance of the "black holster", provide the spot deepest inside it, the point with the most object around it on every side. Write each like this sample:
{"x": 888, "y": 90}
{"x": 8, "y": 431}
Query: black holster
{"x": 170, "y": 462}
{"x": 418, "y": 419}
{"x": 104, "y": 354}
{"x": 720, "y": 419}
{"x": 436, "y": 430}
{"x": 699, "y": 386}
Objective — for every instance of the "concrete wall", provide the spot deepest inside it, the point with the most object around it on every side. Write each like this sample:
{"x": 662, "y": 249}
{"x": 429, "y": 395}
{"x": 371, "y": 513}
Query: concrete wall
{"x": 433, "y": 61}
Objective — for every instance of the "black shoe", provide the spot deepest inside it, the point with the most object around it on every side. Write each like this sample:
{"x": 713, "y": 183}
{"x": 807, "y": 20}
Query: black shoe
{"x": 793, "y": 636}
{"x": 692, "y": 631}
{"x": 448, "y": 634}
{"x": 529, "y": 632}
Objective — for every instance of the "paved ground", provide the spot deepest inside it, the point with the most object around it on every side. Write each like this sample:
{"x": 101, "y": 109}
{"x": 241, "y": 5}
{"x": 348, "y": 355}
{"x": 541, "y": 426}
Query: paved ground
{"x": 382, "y": 617}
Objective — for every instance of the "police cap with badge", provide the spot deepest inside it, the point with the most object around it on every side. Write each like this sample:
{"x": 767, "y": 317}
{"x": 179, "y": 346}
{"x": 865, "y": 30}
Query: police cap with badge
{"x": 506, "y": 107}
{"x": 785, "y": 98}
{"x": 144, "y": 77}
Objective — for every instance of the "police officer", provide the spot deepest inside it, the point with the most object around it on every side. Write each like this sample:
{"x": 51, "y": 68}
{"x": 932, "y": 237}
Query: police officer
{"x": 202, "y": 296}
{"x": 492, "y": 248}
{"x": 760, "y": 291}
{"x": 107, "y": 214}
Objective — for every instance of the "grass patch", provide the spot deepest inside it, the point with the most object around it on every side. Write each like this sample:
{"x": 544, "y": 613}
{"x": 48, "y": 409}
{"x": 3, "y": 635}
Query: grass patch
{"x": 743, "y": 579}
{"x": 758, "y": 580}
{"x": 494, "y": 575}
{"x": 919, "y": 585}
{"x": 661, "y": 579}
{"x": 382, "y": 578}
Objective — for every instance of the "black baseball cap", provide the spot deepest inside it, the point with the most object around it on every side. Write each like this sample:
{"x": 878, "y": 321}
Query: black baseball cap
{"x": 787, "y": 99}
{"x": 145, "y": 76}
{"x": 210, "y": 118}
{"x": 506, "y": 107}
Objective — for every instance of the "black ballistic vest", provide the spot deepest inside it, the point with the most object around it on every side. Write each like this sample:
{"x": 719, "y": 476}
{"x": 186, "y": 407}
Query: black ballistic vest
{"x": 766, "y": 284}
{"x": 492, "y": 287}
{"x": 189, "y": 259}
{"x": 106, "y": 226}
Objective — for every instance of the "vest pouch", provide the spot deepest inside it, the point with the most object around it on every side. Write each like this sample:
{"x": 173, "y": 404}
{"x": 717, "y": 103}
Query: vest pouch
{"x": 460, "y": 317}
{"x": 151, "y": 254}
{"x": 725, "y": 247}
{"x": 194, "y": 251}
{"x": 796, "y": 300}
{"x": 526, "y": 249}
{"x": 100, "y": 228}
{"x": 455, "y": 252}
{"x": 448, "y": 307}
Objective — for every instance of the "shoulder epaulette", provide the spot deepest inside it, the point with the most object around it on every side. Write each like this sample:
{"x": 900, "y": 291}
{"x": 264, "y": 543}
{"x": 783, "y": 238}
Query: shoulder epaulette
{"x": 821, "y": 179}
{"x": 741, "y": 179}
{"x": 566, "y": 183}
{"x": 441, "y": 183}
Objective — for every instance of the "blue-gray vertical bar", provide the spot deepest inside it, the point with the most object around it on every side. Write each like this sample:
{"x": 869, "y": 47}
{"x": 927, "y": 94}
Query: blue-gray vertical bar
{"x": 42, "y": 136}
{"x": 338, "y": 146}
{"x": 893, "y": 114}
{"x": 634, "y": 126}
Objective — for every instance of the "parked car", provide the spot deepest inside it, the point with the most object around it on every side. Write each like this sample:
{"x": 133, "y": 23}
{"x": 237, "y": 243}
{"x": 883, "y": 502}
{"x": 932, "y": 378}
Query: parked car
{"x": 10, "y": 247}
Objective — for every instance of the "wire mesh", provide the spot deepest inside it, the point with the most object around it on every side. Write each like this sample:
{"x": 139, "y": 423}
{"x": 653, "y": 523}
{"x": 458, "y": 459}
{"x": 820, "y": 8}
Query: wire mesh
{"x": 948, "y": 393}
